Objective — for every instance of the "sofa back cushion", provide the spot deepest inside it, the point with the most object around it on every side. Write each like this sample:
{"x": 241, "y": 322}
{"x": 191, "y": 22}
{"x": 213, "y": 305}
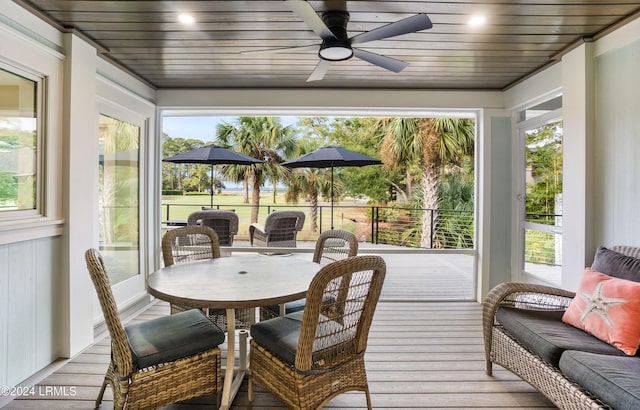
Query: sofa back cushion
{"x": 616, "y": 264}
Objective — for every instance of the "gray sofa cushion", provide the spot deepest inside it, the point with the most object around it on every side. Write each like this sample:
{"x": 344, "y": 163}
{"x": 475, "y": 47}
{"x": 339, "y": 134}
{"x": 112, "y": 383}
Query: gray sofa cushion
{"x": 543, "y": 333}
{"x": 173, "y": 337}
{"x": 616, "y": 264}
{"x": 613, "y": 379}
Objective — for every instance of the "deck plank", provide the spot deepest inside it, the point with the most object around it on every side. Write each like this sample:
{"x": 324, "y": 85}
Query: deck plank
{"x": 421, "y": 355}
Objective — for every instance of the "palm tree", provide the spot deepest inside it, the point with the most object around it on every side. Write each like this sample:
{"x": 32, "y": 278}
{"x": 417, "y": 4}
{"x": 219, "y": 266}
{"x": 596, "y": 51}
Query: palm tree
{"x": 264, "y": 138}
{"x": 308, "y": 182}
{"x": 429, "y": 143}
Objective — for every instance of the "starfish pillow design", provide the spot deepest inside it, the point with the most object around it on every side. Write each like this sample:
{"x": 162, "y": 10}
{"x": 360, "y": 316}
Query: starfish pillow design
{"x": 598, "y": 304}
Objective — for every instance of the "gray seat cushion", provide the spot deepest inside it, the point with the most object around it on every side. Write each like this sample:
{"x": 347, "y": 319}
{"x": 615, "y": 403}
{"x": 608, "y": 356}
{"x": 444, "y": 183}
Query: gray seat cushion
{"x": 279, "y": 335}
{"x": 613, "y": 379}
{"x": 544, "y": 333}
{"x": 169, "y": 338}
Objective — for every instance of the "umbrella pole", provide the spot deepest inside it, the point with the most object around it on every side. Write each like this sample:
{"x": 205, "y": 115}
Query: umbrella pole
{"x": 331, "y": 196}
{"x": 211, "y": 186}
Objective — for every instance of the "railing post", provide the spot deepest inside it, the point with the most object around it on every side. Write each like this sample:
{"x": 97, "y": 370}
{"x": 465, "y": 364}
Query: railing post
{"x": 375, "y": 227}
{"x": 320, "y": 211}
{"x": 168, "y": 205}
{"x": 432, "y": 233}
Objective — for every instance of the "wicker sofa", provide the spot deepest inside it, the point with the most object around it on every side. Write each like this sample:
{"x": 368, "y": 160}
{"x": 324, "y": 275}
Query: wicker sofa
{"x": 524, "y": 333}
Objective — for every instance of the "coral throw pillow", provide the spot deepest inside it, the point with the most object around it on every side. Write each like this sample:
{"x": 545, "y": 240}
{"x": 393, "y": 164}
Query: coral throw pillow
{"x": 608, "y": 308}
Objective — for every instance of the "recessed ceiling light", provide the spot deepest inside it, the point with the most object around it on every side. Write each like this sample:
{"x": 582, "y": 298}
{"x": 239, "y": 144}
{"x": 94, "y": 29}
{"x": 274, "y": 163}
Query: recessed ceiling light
{"x": 186, "y": 19}
{"x": 477, "y": 20}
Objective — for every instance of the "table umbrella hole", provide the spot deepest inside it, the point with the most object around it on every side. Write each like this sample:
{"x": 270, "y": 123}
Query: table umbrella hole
{"x": 242, "y": 272}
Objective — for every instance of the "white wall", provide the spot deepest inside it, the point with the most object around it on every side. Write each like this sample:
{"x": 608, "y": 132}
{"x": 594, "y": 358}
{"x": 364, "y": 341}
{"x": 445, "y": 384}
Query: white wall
{"x": 29, "y": 299}
{"x": 617, "y": 146}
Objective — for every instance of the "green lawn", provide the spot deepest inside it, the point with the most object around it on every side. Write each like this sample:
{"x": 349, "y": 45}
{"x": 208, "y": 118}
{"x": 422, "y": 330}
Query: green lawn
{"x": 181, "y": 206}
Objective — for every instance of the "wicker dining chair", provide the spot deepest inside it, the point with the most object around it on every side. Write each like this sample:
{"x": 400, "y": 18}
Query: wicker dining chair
{"x": 306, "y": 358}
{"x": 332, "y": 245}
{"x": 192, "y": 243}
{"x": 189, "y": 243}
{"x": 160, "y": 361}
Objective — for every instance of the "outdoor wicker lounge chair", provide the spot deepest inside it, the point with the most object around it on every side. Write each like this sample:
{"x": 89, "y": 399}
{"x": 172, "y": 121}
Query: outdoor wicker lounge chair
{"x": 280, "y": 229}
{"x": 225, "y": 223}
{"x": 306, "y": 358}
{"x": 160, "y": 361}
{"x": 332, "y": 245}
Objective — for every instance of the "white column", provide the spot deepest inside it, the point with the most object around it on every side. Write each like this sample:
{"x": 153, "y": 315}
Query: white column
{"x": 80, "y": 173}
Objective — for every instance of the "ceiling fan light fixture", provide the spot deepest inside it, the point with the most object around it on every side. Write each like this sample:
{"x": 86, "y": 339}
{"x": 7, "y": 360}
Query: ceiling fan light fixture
{"x": 335, "y": 50}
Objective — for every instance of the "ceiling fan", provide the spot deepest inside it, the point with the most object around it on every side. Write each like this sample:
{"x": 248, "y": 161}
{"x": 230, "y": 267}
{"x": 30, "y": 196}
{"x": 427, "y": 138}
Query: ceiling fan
{"x": 338, "y": 46}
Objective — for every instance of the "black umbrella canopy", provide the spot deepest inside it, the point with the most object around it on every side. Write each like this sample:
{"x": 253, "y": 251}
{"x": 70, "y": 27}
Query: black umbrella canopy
{"x": 330, "y": 157}
{"x": 212, "y": 155}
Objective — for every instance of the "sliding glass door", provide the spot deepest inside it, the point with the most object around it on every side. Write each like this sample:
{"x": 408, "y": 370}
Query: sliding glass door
{"x": 119, "y": 197}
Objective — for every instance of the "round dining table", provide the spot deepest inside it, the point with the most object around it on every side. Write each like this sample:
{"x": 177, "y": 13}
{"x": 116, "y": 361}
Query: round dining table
{"x": 243, "y": 281}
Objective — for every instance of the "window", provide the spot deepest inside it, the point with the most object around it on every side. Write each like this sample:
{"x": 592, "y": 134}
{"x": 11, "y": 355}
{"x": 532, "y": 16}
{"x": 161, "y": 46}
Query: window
{"x": 540, "y": 191}
{"x": 19, "y": 137}
{"x": 119, "y": 202}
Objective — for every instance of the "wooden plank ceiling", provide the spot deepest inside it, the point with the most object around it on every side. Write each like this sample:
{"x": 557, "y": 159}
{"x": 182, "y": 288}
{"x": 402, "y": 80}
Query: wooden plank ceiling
{"x": 518, "y": 38}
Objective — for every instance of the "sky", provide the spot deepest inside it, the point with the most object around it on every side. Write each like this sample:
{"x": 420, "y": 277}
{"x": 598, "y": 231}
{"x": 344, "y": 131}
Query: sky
{"x": 202, "y": 128}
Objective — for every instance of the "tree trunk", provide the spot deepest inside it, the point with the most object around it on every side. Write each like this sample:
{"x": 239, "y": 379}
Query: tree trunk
{"x": 245, "y": 190}
{"x": 429, "y": 182}
{"x": 314, "y": 212}
{"x": 255, "y": 200}
{"x": 275, "y": 191}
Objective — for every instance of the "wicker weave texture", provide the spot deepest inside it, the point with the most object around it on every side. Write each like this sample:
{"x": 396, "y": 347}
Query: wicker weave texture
{"x": 329, "y": 358}
{"x": 298, "y": 391}
{"x": 156, "y": 386}
{"x": 189, "y": 243}
{"x": 332, "y": 246}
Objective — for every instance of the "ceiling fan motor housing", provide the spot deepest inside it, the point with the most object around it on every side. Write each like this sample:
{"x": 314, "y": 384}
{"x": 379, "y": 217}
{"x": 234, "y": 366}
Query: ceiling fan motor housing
{"x": 337, "y": 49}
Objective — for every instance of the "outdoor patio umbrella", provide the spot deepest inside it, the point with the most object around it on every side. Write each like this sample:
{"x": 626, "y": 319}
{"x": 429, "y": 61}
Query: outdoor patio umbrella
{"x": 330, "y": 157}
{"x": 212, "y": 155}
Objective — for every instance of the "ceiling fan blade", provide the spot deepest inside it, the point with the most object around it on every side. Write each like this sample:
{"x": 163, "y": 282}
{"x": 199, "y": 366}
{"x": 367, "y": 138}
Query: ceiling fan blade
{"x": 313, "y": 47}
{"x": 304, "y": 10}
{"x": 389, "y": 63}
{"x": 404, "y": 26}
{"x": 320, "y": 70}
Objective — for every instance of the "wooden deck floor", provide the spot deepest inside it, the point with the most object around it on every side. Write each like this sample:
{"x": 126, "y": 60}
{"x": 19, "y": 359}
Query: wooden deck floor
{"x": 421, "y": 355}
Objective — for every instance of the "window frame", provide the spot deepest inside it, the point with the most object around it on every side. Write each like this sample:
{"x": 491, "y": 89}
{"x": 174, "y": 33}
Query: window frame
{"x": 7, "y": 217}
